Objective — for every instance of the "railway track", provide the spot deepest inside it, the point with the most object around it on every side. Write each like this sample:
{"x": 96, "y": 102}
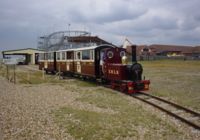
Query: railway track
{"x": 179, "y": 112}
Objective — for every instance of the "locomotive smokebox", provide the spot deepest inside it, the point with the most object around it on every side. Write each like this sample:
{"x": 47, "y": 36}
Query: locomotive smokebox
{"x": 134, "y": 55}
{"x": 135, "y": 72}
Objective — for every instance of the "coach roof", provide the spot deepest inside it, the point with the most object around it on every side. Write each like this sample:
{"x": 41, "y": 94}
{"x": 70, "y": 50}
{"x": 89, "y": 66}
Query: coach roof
{"x": 86, "y": 48}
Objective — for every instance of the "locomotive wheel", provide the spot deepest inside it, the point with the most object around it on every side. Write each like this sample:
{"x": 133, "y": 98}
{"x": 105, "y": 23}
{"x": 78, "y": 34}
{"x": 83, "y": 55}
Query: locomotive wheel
{"x": 104, "y": 81}
{"x": 112, "y": 85}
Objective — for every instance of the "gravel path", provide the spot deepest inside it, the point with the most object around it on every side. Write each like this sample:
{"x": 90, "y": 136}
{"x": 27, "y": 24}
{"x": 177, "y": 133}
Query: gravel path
{"x": 25, "y": 112}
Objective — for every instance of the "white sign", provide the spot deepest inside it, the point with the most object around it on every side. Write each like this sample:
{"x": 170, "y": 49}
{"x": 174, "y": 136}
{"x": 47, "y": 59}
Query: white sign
{"x": 10, "y": 61}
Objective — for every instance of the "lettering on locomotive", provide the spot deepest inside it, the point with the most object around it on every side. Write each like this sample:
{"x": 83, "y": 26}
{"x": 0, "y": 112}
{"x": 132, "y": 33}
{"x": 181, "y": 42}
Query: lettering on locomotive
{"x": 113, "y": 71}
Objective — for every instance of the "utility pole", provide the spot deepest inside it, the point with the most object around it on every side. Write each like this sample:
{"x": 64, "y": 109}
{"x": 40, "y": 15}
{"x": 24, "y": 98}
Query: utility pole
{"x": 69, "y": 28}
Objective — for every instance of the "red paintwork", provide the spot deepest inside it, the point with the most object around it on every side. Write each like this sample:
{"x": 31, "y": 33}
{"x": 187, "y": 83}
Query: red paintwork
{"x": 88, "y": 68}
{"x": 132, "y": 86}
{"x": 115, "y": 71}
{"x": 50, "y": 66}
{"x": 113, "y": 68}
{"x": 41, "y": 65}
{"x": 116, "y": 57}
{"x": 61, "y": 66}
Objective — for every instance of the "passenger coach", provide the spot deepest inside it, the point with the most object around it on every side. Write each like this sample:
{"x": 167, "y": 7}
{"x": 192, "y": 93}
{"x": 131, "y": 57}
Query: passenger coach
{"x": 86, "y": 61}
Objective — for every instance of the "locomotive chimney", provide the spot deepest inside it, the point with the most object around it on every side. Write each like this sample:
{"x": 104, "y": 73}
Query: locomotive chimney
{"x": 134, "y": 56}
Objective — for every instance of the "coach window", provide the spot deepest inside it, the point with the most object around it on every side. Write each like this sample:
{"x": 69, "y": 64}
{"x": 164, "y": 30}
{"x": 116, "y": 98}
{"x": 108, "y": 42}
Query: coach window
{"x": 58, "y": 55}
{"x": 49, "y": 56}
{"x": 63, "y": 55}
{"x": 69, "y": 55}
{"x": 86, "y": 55}
{"x": 110, "y": 54}
{"x": 52, "y": 55}
{"x": 92, "y": 54}
{"x": 41, "y": 56}
{"x": 45, "y": 56}
{"x": 122, "y": 53}
{"x": 78, "y": 55}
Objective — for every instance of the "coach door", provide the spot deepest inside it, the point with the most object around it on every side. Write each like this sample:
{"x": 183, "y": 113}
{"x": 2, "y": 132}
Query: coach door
{"x": 78, "y": 61}
{"x": 99, "y": 63}
{"x": 46, "y": 60}
{"x": 70, "y": 61}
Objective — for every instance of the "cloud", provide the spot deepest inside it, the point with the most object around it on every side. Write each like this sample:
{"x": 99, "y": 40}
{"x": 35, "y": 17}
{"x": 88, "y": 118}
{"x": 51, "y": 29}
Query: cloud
{"x": 142, "y": 21}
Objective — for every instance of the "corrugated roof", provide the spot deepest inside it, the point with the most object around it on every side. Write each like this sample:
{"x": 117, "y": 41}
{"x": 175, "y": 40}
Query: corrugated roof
{"x": 21, "y": 50}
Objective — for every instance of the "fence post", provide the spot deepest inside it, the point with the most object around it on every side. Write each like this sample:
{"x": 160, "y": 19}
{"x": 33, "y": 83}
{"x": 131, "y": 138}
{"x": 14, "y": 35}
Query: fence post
{"x": 1, "y": 64}
{"x": 43, "y": 74}
{"x": 14, "y": 75}
{"x": 28, "y": 76}
{"x": 59, "y": 72}
{"x": 7, "y": 72}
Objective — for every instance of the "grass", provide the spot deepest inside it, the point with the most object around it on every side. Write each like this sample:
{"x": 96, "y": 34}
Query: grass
{"x": 126, "y": 124}
{"x": 85, "y": 83}
{"x": 29, "y": 76}
{"x": 130, "y": 121}
{"x": 175, "y": 79}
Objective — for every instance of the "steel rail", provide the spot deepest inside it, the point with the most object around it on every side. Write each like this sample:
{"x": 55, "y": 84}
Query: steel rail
{"x": 196, "y": 126}
{"x": 173, "y": 104}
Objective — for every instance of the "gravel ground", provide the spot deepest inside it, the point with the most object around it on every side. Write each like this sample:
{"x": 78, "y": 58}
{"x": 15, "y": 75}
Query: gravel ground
{"x": 26, "y": 111}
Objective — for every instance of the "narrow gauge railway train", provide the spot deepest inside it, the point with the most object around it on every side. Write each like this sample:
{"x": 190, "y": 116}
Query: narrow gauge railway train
{"x": 101, "y": 62}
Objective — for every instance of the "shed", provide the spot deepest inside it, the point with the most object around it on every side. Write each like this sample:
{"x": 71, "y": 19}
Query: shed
{"x": 30, "y": 54}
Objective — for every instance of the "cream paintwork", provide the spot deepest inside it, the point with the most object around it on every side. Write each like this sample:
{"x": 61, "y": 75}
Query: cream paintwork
{"x": 67, "y": 67}
{"x": 78, "y": 67}
{"x": 45, "y": 64}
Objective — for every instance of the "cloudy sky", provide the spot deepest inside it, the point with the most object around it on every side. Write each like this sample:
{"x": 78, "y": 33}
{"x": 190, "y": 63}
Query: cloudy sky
{"x": 141, "y": 21}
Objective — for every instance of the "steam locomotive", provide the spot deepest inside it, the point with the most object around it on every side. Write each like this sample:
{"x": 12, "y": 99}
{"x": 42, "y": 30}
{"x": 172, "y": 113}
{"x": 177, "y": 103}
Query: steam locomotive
{"x": 105, "y": 62}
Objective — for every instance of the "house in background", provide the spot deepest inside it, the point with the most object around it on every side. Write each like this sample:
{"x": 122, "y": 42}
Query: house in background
{"x": 196, "y": 52}
{"x": 156, "y": 51}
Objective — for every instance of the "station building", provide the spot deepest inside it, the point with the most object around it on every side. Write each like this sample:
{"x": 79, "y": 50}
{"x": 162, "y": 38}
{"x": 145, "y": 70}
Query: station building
{"x": 30, "y": 55}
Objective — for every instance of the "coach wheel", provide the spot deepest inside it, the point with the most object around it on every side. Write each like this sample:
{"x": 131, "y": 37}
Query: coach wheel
{"x": 83, "y": 78}
{"x": 122, "y": 87}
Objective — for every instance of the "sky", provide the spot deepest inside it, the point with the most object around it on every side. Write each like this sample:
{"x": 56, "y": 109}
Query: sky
{"x": 140, "y": 21}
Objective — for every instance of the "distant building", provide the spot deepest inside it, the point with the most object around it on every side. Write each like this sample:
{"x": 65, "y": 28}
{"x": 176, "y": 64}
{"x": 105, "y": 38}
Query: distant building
{"x": 167, "y": 51}
{"x": 30, "y": 54}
